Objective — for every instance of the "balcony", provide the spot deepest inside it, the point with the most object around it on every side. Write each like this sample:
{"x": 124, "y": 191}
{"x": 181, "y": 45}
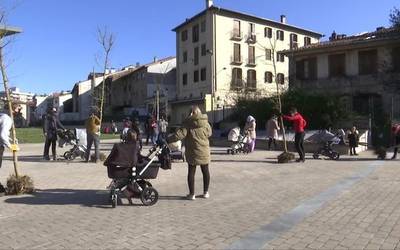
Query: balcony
{"x": 251, "y": 85}
{"x": 252, "y": 38}
{"x": 237, "y": 84}
{"x": 236, "y": 60}
{"x": 251, "y": 61}
{"x": 236, "y": 35}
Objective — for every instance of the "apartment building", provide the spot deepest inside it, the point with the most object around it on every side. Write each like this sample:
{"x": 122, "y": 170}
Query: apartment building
{"x": 363, "y": 70}
{"x": 135, "y": 89}
{"x": 224, "y": 54}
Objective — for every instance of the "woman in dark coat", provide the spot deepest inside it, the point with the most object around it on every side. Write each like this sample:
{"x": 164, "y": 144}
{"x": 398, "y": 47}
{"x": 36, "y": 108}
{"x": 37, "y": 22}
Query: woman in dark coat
{"x": 353, "y": 140}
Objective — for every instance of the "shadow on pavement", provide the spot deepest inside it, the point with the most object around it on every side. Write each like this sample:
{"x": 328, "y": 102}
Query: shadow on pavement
{"x": 87, "y": 198}
{"x": 246, "y": 161}
{"x": 172, "y": 198}
{"x": 39, "y": 158}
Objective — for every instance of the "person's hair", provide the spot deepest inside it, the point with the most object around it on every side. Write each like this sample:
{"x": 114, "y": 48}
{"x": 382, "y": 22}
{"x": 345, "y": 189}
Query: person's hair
{"x": 131, "y": 136}
{"x": 196, "y": 110}
{"x": 293, "y": 110}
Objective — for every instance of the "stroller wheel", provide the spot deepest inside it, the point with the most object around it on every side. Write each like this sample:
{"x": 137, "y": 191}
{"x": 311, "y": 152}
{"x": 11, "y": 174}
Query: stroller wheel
{"x": 149, "y": 196}
{"x": 335, "y": 156}
{"x": 69, "y": 156}
{"x": 316, "y": 156}
{"x": 114, "y": 198}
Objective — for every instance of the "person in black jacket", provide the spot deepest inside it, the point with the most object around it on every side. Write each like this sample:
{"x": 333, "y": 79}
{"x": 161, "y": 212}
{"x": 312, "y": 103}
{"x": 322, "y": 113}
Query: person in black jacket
{"x": 50, "y": 126}
{"x": 353, "y": 138}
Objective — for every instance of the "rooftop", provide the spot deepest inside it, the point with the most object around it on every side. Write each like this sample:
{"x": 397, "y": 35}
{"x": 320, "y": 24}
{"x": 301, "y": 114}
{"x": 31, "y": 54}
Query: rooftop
{"x": 381, "y": 34}
{"x": 8, "y": 30}
{"x": 248, "y": 16}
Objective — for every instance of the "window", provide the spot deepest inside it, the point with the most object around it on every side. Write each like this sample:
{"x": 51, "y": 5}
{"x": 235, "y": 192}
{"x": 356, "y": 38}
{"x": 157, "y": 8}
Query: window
{"x": 251, "y": 79}
{"x": 307, "y": 41}
{"x": 203, "y": 26}
{"x": 196, "y": 56}
{"x": 184, "y": 57}
{"x": 337, "y": 65}
{"x": 184, "y": 35}
{"x": 237, "y": 81}
{"x": 367, "y": 62}
{"x": 280, "y": 35}
{"x": 396, "y": 59}
{"x": 195, "y": 33}
{"x": 280, "y": 78}
{"x": 196, "y": 76}
{"x": 203, "y": 49}
{"x": 184, "y": 79}
{"x": 252, "y": 57}
{"x": 236, "y": 53}
{"x": 268, "y": 54}
{"x": 306, "y": 69}
{"x": 280, "y": 57}
{"x": 268, "y": 32}
{"x": 268, "y": 77}
{"x": 236, "y": 29}
{"x": 203, "y": 74}
{"x": 252, "y": 28}
{"x": 293, "y": 41}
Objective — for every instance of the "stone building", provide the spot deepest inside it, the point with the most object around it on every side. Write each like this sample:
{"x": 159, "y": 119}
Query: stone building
{"x": 363, "y": 69}
{"x": 224, "y": 54}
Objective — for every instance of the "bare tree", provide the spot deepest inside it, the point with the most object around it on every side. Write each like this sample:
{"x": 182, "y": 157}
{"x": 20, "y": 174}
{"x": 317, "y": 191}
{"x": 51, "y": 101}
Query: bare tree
{"x": 272, "y": 47}
{"x": 4, "y": 41}
{"x": 106, "y": 39}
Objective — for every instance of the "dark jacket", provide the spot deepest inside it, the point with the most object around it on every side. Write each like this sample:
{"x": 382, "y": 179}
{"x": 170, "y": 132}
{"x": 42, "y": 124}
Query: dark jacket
{"x": 50, "y": 126}
{"x": 195, "y": 133}
{"x": 353, "y": 139}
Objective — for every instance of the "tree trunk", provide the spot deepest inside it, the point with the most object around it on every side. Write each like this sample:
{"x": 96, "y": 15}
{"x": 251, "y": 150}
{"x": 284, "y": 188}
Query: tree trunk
{"x": 9, "y": 102}
{"x": 103, "y": 90}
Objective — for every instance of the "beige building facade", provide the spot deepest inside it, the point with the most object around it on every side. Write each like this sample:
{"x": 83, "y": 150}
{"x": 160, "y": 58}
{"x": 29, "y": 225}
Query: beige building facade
{"x": 363, "y": 70}
{"x": 223, "y": 55}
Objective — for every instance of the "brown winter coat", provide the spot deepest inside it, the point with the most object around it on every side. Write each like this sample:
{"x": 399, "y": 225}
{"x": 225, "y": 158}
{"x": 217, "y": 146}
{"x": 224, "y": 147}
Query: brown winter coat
{"x": 195, "y": 133}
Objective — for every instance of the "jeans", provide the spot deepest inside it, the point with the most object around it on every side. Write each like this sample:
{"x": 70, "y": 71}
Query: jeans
{"x": 154, "y": 138}
{"x": 298, "y": 142}
{"x": 93, "y": 139}
{"x": 191, "y": 178}
{"x": 50, "y": 141}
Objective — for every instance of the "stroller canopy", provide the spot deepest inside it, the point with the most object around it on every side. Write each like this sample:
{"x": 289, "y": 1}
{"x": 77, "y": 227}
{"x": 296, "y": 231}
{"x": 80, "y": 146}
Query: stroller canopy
{"x": 123, "y": 155}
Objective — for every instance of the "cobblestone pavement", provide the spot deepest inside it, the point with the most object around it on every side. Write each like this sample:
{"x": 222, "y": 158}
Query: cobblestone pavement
{"x": 345, "y": 204}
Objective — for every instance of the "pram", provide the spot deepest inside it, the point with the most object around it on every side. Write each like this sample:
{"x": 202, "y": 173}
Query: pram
{"x": 177, "y": 151}
{"x": 73, "y": 138}
{"x": 130, "y": 171}
{"x": 326, "y": 140}
{"x": 239, "y": 142}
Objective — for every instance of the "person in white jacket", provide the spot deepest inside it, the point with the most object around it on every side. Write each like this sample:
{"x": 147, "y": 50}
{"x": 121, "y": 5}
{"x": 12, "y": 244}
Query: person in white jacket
{"x": 5, "y": 127}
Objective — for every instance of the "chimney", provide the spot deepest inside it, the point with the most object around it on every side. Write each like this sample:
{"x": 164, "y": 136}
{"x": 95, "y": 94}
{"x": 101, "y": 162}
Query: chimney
{"x": 209, "y": 3}
{"x": 283, "y": 19}
{"x": 333, "y": 36}
{"x": 137, "y": 64}
{"x": 155, "y": 59}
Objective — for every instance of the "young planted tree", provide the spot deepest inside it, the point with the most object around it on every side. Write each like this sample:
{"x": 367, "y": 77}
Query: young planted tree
{"x": 285, "y": 156}
{"x": 106, "y": 39}
{"x": 16, "y": 184}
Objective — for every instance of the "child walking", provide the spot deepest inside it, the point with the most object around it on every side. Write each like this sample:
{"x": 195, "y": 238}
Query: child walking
{"x": 353, "y": 140}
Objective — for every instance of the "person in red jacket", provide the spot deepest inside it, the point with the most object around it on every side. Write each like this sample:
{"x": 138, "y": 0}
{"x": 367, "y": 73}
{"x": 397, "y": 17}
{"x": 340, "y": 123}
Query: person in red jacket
{"x": 396, "y": 137}
{"x": 299, "y": 123}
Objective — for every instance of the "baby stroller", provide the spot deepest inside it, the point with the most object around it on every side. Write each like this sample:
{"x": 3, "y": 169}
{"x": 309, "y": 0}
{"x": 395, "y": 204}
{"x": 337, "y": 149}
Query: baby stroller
{"x": 73, "y": 138}
{"x": 177, "y": 151}
{"x": 130, "y": 171}
{"x": 327, "y": 140}
{"x": 239, "y": 142}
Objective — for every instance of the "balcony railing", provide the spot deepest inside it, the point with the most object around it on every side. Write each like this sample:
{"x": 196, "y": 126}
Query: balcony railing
{"x": 251, "y": 61}
{"x": 237, "y": 60}
{"x": 236, "y": 35}
{"x": 252, "y": 38}
{"x": 237, "y": 84}
{"x": 251, "y": 85}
